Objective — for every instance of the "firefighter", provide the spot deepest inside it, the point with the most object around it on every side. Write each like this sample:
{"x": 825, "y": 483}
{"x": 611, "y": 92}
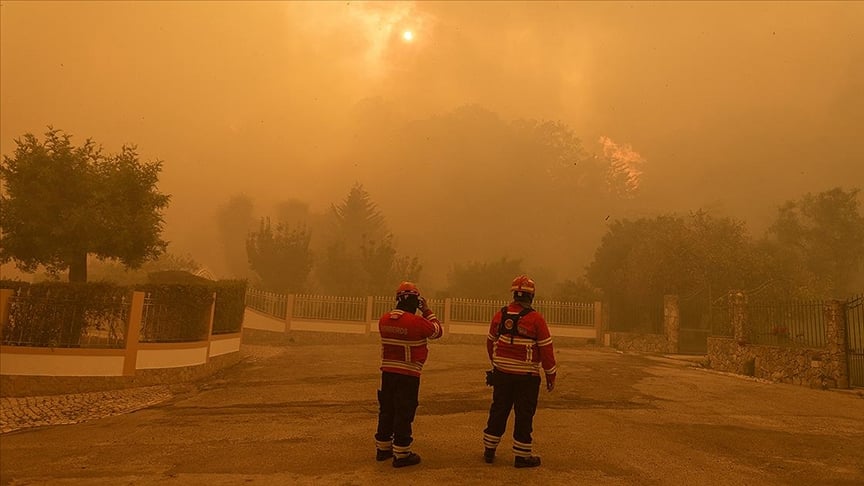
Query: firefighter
{"x": 519, "y": 346}
{"x": 403, "y": 352}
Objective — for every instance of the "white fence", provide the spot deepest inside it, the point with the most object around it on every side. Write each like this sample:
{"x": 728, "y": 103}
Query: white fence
{"x": 358, "y": 314}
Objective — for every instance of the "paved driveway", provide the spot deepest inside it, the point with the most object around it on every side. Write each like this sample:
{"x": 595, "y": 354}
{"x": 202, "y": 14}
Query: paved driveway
{"x": 305, "y": 414}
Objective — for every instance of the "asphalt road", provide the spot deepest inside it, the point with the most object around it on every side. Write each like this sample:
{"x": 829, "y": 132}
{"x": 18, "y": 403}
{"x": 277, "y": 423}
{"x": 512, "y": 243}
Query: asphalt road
{"x": 306, "y": 415}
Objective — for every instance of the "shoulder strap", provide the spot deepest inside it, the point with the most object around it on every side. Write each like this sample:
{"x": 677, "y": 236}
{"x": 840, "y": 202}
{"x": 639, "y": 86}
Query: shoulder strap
{"x": 513, "y": 321}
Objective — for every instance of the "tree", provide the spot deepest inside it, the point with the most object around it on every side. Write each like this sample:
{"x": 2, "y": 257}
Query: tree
{"x": 822, "y": 236}
{"x": 384, "y": 269}
{"x": 362, "y": 257}
{"x": 358, "y": 218}
{"x": 235, "y": 220}
{"x": 62, "y": 203}
{"x": 280, "y": 256}
{"x": 483, "y": 280}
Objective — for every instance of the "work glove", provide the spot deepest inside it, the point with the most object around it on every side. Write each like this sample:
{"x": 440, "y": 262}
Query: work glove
{"x": 424, "y": 307}
{"x": 550, "y": 382}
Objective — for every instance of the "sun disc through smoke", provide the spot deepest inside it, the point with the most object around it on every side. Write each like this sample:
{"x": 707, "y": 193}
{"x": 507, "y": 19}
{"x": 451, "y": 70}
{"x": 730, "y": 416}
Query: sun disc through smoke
{"x": 407, "y": 36}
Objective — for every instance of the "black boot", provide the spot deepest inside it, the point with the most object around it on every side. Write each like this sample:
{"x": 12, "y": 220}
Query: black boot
{"x": 383, "y": 455}
{"x": 530, "y": 461}
{"x": 489, "y": 455}
{"x": 410, "y": 460}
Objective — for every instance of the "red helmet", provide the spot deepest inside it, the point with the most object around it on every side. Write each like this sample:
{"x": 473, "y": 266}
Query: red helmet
{"x": 405, "y": 289}
{"x": 522, "y": 284}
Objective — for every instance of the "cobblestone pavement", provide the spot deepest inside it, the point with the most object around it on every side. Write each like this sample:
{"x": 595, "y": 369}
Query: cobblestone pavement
{"x": 24, "y": 412}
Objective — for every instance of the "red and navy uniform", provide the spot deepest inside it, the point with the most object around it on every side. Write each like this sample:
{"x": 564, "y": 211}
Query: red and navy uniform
{"x": 403, "y": 353}
{"x": 518, "y": 349}
{"x": 403, "y": 341}
{"x": 526, "y": 352}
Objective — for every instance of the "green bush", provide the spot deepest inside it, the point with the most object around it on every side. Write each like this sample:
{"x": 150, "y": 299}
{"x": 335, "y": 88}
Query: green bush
{"x": 13, "y": 284}
{"x": 230, "y": 306}
{"x": 176, "y": 312}
{"x": 95, "y": 314}
{"x": 68, "y": 315}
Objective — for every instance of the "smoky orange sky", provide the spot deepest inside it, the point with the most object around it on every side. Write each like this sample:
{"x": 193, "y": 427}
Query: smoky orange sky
{"x": 733, "y": 106}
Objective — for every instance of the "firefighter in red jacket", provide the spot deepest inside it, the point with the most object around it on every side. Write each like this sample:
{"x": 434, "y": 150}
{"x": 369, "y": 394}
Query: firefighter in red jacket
{"x": 403, "y": 352}
{"x": 519, "y": 346}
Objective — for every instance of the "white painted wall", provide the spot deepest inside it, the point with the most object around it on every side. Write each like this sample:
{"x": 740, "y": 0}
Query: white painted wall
{"x": 60, "y": 365}
{"x": 149, "y": 359}
{"x": 219, "y": 347}
{"x": 329, "y": 326}
{"x": 469, "y": 328}
{"x": 263, "y": 322}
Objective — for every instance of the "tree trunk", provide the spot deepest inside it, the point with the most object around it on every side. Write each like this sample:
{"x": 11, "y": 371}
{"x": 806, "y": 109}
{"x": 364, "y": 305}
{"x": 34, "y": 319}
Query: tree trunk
{"x": 78, "y": 268}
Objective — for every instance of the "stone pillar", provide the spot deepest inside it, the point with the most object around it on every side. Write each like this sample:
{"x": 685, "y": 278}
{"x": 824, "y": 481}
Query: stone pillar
{"x": 738, "y": 315}
{"x": 834, "y": 313}
{"x": 671, "y": 322}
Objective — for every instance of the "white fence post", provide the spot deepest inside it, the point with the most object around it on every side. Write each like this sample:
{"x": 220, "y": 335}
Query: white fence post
{"x": 448, "y": 307}
{"x": 289, "y": 311}
{"x": 598, "y": 321}
{"x": 210, "y": 326}
{"x": 370, "y": 302}
{"x": 133, "y": 333}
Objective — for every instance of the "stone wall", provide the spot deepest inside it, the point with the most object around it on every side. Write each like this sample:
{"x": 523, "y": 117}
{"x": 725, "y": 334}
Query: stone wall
{"x": 23, "y": 386}
{"x": 816, "y": 368}
{"x": 643, "y": 343}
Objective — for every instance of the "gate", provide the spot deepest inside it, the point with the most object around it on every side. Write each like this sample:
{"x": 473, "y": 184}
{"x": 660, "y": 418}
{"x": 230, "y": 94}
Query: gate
{"x": 855, "y": 339}
{"x": 696, "y": 316}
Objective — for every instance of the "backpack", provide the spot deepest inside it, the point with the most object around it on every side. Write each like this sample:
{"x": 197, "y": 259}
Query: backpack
{"x": 509, "y": 324}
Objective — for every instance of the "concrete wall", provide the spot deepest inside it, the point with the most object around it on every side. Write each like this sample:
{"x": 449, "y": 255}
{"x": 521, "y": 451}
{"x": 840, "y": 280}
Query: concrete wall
{"x": 30, "y": 385}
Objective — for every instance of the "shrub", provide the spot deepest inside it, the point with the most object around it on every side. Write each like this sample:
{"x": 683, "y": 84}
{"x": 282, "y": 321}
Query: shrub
{"x": 230, "y": 306}
{"x": 64, "y": 314}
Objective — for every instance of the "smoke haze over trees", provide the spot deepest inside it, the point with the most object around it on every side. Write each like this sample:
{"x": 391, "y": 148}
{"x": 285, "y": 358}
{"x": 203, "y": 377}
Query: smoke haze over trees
{"x": 505, "y": 130}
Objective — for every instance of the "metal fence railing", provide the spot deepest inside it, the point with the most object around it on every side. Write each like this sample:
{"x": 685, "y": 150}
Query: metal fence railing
{"x": 66, "y": 323}
{"x": 382, "y": 305}
{"x": 721, "y": 320}
{"x": 328, "y": 307}
{"x": 164, "y": 323}
{"x": 567, "y": 313}
{"x": 475, "y": 310}
{"x": 855, "y": 339}
{"x": 334, "y": 308}
{"x": 793, "y": 323}
{"x": 267, "y": 302}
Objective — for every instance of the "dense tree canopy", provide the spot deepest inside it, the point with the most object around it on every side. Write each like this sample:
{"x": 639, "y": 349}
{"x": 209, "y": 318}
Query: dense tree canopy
{"x": 280, "y": 256}
{"x": 649, "y": 257}
{"x": 819, "y": 241}
{"x": 484, "y": 280}
{"x": 361, "y": 258}
{"x": 62, "y": 202}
